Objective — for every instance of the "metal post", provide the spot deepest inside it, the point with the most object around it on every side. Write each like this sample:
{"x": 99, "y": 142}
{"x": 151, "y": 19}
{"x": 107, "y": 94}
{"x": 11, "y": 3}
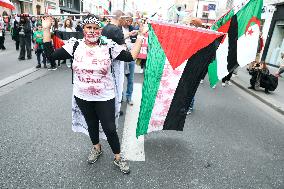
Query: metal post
{"x": 197, "y": 8}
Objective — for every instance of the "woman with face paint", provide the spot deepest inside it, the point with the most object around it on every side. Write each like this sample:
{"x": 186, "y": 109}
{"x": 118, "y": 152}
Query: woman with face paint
{"x": 94, "y": 86}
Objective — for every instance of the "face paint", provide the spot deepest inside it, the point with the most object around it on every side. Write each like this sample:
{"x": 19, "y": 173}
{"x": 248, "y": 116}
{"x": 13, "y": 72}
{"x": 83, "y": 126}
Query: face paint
{"x": 92, "y": 38}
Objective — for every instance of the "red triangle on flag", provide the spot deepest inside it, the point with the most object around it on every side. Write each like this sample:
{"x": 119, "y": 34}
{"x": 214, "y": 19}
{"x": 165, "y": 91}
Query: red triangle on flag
{"x": 180, "y": 43}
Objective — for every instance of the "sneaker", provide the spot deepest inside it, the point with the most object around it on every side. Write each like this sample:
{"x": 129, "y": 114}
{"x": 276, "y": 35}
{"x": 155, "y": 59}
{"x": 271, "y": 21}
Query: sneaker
{"x": 68, "y": 65}
{"x": 251, "y": 87}
{"x": 38, "y": 66}
{"x": 188, "y": 112}
{"x": 52, "y": 68}
{"x": 201, "y": 81}
{"x": 94, "y": 155}
{"x": 223, "y": 84}
{"x": 130, "y": 102}
{"x": 214, "y": 87}
{"x": 122, "y": 165}
{"x": 229, "y": 83}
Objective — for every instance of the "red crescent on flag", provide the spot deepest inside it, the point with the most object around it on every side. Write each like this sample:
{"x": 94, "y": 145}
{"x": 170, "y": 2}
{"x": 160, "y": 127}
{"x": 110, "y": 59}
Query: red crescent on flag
{"x": 253, "y": 20}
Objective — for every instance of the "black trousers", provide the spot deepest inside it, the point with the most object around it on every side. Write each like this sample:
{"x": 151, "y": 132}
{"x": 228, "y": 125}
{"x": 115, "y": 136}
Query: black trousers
{"x": 103, "y": 111}
{"x": 228, "y": 77}
{"x": 25, "y": 45}
{"x": 2, "y": 39}
{"x": 17, "y": 44}
{"x": 39, "y": 53}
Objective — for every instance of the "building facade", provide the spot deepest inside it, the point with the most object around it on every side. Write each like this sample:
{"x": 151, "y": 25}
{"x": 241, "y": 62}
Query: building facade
{"x": 70, "y": 6}
{"x": 274, "y": 43}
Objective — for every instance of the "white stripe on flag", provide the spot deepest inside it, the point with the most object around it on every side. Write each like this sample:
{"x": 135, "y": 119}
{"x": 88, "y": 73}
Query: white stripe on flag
{"x": 168, "y": 84}
{"x": 132, "y": 148}
{"x": 247, "y": 46}
{"x": 221, "y": 57}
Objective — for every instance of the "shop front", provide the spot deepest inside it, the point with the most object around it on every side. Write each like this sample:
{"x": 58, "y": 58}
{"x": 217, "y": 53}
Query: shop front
{"x": 275, "y": 39}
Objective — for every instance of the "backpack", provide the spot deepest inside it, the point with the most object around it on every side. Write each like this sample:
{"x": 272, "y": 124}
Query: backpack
{"x": 269, "y": 81}
{"x": 74, "y": 49}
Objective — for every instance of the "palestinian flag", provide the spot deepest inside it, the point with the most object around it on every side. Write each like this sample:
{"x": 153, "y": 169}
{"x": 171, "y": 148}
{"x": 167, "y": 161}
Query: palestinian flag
{"x": 177, "y": 58}
{"x": 59, "y": 37}
{"x": 239, "y": 48}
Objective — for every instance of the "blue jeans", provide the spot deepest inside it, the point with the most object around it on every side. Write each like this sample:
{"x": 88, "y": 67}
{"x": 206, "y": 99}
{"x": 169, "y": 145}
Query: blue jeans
{"x": 130, "y": 78}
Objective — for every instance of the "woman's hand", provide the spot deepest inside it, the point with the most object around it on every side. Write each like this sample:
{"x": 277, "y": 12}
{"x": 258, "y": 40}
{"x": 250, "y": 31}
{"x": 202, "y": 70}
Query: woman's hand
{"x": 46, "y": 22}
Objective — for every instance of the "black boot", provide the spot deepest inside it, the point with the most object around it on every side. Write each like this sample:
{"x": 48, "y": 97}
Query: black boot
{"x": 38, "y": 66}
{"x": 251, "y": 87}
{"x": 266, "y": 91}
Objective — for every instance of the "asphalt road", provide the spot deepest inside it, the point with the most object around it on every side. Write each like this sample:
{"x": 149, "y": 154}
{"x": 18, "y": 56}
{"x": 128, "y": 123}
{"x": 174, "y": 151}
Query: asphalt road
{"x": 231, "y": 140}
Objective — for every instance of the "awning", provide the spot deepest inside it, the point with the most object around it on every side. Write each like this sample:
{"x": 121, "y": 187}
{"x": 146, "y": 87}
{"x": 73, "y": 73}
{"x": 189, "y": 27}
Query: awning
{"x": 7, "y": 4}
{"x": 27, "y": 1}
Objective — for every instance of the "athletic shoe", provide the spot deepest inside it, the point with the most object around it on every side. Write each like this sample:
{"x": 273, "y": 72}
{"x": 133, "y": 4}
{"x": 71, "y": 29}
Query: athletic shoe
{"x": 201, "y": 81}
{"x": 188, "y": 112}
{"x": 229, "y": 82}
{"x": 38, "y": 66}
{"x": 122, "y": 165}
{"x": 223, "y": 84}
{"x": 94, "y": 155}
{"x": 52, "y": 68}
{"x": 130, "y": 102}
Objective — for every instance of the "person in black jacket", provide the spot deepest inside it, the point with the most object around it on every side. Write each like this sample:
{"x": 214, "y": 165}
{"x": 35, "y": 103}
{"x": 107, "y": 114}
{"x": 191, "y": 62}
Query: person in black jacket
{"x": 15, "y": 35}
{"x": 25, "y": 36}
{"x": 258, "y": 72}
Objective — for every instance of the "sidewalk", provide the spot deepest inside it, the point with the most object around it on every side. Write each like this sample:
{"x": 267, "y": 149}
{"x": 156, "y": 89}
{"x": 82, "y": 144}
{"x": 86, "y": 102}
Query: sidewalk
{"x": 11, "y": 68}
{"x": 275, "y": 99}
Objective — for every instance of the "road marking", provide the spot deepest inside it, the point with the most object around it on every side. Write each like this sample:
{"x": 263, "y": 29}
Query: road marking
{"x": 133, "y": 148}
{"x": 17, "y": 76}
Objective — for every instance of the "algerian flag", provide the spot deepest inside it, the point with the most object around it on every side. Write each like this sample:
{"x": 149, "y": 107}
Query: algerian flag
{"x": 239, "y": 48}
{"x": 177, "y": 58}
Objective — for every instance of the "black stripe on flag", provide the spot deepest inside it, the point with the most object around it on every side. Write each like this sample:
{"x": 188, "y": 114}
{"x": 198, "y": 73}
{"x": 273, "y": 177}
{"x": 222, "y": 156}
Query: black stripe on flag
{"x": 188, "y": 84}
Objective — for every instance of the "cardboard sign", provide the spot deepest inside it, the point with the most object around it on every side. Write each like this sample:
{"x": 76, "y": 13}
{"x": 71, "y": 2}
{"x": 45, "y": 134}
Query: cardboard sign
{"x": 143, "y": 50}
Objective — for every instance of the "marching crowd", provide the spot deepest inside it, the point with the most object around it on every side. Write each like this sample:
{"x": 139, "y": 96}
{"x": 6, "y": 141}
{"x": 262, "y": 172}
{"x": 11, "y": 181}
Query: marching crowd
{"x": 100, "y": 62}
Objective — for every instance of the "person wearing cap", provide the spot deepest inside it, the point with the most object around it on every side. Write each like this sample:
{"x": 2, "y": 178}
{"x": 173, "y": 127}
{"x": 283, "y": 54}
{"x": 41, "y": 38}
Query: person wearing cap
{"x": 93, "y": 82}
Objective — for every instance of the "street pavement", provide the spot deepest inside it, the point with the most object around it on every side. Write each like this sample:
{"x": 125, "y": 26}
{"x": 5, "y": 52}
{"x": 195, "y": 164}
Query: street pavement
{"x": 231, "y": 140}
{"x": 10, "y": 65}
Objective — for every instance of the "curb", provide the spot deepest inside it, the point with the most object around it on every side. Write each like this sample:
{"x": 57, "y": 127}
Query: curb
{"x": 17, "y": 76}
{"x": 273, "y": 106}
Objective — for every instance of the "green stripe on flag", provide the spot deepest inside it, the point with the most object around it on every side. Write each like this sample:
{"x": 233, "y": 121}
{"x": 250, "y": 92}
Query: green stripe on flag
{"x": 153, "y": 73}
{"x": 251, "y": 9}
{"x": 212, "y": 72}
{"x": 223, "y": 20}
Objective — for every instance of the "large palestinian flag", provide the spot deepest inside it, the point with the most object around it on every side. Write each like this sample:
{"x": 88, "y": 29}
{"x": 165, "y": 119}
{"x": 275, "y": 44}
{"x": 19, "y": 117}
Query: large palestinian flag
{"x": 177, "y": 58}
{"x": 239, "y": 48}
{"x": 59, "y": 37}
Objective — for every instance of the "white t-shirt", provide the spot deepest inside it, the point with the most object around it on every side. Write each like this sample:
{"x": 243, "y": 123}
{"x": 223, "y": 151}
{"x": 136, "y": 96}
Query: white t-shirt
{"x": 93, "y": 80}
